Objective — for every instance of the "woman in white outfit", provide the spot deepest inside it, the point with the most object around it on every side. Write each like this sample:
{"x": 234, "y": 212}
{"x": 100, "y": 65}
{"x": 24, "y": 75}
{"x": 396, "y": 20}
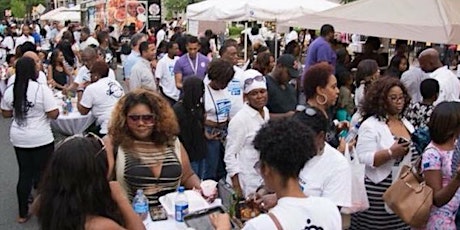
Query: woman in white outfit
{"x": 240, "y": 155}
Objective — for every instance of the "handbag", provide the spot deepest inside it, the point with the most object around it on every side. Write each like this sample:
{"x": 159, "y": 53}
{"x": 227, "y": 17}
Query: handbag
{"x": 409, "y": 197}
{"x": 359, "y": 200}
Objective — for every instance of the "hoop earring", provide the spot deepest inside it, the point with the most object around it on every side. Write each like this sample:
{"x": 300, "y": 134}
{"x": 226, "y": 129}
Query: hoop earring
{"x": 321, "y": 102}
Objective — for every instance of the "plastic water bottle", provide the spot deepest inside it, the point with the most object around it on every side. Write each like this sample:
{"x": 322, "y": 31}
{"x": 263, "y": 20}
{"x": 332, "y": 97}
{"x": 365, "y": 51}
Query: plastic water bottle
{"x": 141, "y": 204}
{"x": 181, "y": 205}
{"x": 68, "y": 104}
{"x": 352, "y": 133}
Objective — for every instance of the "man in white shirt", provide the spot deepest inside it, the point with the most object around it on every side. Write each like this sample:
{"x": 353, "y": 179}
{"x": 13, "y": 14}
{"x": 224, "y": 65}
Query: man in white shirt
{"x": 86, "y": 39}
{"x": 449, "y": 85}
{"x": 240, "y": 155}
{"x": 142, "y": 74}
{"x": 412, "y": 79}
{"x": 26, "y": 36}
{"x": 165, "y": 73}
{"x": 161, "y": 34}
{"x": 83, "y": 78}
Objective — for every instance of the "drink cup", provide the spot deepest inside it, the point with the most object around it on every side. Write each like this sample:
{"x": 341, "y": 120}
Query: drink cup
{"x": 208, "y": 187}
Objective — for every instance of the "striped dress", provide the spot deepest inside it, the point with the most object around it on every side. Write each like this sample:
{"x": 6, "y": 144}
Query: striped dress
{"x": 135, "y": 170}
{"x": 376, "y": 217}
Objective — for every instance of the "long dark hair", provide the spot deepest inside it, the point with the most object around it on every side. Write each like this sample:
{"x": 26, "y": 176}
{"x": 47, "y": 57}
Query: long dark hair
{"x": 53, "y": 58}
{"x": 193, "y": 93}
{"x": 25, "y": 71}
{"x": 75, "y": 186}
{"x": 66, "y": 47}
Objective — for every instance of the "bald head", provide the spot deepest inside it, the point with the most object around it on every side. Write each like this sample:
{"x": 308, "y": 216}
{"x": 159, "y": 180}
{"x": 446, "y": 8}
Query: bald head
{"x": 88, "y": 56}
{"x": 429, "y": 60}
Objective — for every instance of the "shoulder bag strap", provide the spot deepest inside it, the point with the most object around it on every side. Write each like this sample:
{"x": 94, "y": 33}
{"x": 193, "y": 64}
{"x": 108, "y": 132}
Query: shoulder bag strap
{"x": 214, "y": 103}
{"x": 275, "y": 220}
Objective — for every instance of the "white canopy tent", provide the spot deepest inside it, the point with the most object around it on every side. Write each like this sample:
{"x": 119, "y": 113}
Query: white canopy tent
{"x": 249, "y": 10}
{"x": 47, "y": 15}
{"x": 420, "y": 20}
{"x": 263, "y": 10}
{"x": 74, "y": 16}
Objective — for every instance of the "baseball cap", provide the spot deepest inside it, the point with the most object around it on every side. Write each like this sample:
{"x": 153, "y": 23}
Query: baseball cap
{"x": 287, "y": 60}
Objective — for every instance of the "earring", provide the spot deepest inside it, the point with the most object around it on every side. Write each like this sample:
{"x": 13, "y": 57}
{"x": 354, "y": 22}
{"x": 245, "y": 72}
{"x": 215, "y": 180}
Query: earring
{"x": 321, "y": 102}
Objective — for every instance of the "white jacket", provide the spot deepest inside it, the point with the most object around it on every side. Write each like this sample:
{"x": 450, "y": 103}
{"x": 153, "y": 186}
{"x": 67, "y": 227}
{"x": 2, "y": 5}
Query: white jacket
{"x": 240, "y": 155}
{"x": 373, "y": 136}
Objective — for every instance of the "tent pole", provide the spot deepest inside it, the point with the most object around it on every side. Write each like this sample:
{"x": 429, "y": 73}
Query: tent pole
{"x": 245, "y": 41}
{"x": 276, "y": 40}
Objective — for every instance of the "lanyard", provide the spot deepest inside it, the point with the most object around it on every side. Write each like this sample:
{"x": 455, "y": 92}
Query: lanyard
{"x": 194, "y": 67}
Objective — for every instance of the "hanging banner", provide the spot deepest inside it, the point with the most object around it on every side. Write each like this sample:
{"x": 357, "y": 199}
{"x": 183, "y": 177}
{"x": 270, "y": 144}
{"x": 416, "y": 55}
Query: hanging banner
{"x": 127, "y": 12}
{"x": 154, "y": 13}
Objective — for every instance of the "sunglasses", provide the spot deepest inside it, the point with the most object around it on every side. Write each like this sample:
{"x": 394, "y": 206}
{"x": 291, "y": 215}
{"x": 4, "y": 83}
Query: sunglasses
{"x": 147, "y": 118}
{"x": 92, "y": 135}
{"x": 249, "y": 81}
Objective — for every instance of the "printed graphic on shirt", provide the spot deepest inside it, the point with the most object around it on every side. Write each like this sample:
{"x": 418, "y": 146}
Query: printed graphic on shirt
{"x": 310, "y": 226}
{"x": 114, "y": 90}
{"x": 171, "y": 70}
{"x": 234, "y": 87}
{"x": 223, "y": 109}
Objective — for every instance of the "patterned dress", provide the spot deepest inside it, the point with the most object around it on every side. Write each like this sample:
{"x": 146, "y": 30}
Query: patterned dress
{"x": 436, "y": 159}
{"x": 418, "y": 114}
{"x": 376, "y": 217}
{"x": 136, "y": 169}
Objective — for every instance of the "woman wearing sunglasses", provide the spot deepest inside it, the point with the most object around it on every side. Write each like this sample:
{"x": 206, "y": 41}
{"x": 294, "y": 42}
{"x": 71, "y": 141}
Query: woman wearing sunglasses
{"x": 100, "y": 96}
{"x": 143, "y": 143}
{"x": 240, "y": 154}
{"x": 76, "y": 194}
{"x": 383, "y": 146}
{"x": 285, "y": 146}
{"x": 31, "y": 105}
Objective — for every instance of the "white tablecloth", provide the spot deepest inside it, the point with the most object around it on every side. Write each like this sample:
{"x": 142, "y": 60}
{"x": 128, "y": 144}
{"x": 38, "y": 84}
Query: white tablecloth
{"x": 72, "y": 123}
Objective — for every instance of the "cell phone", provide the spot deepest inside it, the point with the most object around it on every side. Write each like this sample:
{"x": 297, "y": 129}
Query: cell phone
{"x": 402, "y": 140}
{"x": 158, "y": 213}
{"x": 200, "y": 219}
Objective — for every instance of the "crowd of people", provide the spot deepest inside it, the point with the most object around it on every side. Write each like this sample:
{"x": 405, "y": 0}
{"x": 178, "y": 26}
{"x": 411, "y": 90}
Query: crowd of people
{"x": 191, "y": 108}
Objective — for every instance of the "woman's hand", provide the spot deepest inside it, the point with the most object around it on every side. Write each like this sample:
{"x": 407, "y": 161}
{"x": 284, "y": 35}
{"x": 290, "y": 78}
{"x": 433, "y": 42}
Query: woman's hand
{"x": 343, "y": 145}
{"x": 265, "y": 202}
{"x": 399, "y": 149}
{"x": 343, "y": 125}
{"x": 220, "y": 221}
{"x": 211, "y": 198}
{"x": 211, "y": 136}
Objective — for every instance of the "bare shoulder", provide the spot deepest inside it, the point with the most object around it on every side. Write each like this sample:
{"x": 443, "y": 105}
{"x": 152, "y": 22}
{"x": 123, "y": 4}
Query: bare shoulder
{"x": 101, "y": 223}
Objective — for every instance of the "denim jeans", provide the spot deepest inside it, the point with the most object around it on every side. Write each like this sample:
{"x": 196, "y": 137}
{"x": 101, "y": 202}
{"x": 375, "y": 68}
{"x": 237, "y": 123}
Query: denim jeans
{"x": 215, "y": 168}
{"x": 199, "y": 167}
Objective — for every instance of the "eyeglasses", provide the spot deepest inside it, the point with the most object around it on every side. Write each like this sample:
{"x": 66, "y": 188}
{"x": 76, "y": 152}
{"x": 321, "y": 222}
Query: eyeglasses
{"x": 249, "y": 81}
{"x": 92, "y": 135}
{"x": 147, "y": 118}
{"x": 394, "y": 98}
{"x": 310, "y": 111}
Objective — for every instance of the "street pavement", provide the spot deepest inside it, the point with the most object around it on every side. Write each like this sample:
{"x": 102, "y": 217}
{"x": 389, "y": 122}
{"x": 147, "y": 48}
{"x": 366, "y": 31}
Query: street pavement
{"x": 9, "y": 178}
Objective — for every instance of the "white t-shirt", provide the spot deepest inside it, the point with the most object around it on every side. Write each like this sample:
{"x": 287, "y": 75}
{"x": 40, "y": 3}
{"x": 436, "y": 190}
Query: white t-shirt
{"x": 23, "y": 39}
{"x": 165, "y": 72}
{"x": 101, "y": 96}
{"x": 217, "y": 99}
{"x": 8, "y": 42}
{"x": 328, "y": 175}
{"x": 449, "y": 85}
{"x": 36, "y": 131}
{"x": 299, "y": 213}
{"x": 161, "y": 35}
{"x": 88, "y": 42}
{"x": 235, "y": 89}
{"x": 84, "y": 75}
{"x": 41, "y": 79}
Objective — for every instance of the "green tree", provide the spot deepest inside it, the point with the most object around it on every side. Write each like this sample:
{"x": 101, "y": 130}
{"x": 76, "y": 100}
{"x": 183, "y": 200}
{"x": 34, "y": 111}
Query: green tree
{"x": 18, "y": 8}
{"x": 176, "y": 6}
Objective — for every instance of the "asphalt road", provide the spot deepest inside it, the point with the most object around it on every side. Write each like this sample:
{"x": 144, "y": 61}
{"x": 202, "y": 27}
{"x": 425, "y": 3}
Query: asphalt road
{"x": 9, "y": 178}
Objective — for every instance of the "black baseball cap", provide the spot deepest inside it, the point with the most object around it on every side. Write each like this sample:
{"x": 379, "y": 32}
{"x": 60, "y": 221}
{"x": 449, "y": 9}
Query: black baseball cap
{"x": 287, "y": 60}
